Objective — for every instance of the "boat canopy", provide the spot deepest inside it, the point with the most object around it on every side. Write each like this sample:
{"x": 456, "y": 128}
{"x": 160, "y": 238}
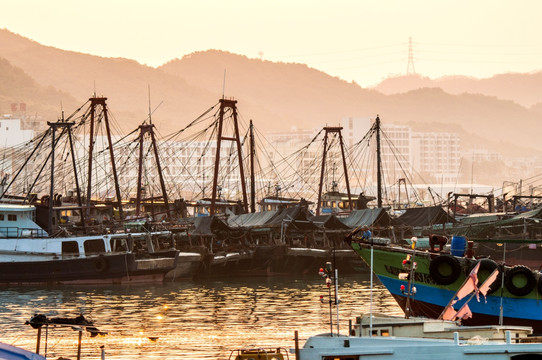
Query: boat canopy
{"x": 521, "y": 218}
{"x": 251, "y": 220}
{"x": 208, "y": 226}
{"x": 329, "y": 222}
{"x": 367, "y": 217}
{"x": 296, "y": 216}
{"x": 424, "y": 216}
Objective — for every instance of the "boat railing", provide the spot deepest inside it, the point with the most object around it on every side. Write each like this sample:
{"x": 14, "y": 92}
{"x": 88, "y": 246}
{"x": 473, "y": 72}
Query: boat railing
{"x": 259, "y": 353}
{"x": 18, "y": 232}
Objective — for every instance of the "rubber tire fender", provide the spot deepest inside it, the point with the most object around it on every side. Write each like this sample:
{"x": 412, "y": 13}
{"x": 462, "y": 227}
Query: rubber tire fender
{"x": 435, "y": 269}
{"x": 519, "y": 270}
{"x": 100, "y": 264}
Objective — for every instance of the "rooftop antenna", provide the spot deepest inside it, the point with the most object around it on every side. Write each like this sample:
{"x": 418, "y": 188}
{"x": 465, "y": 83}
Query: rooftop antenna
{"x": 224, "y": 84}
{"x": 62, "y": 110}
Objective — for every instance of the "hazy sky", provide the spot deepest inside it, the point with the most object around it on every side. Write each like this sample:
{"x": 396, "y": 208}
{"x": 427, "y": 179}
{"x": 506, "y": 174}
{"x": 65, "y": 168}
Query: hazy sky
{"x": 363, "y": 40}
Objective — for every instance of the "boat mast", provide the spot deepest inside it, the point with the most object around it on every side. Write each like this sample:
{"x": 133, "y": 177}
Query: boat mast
{"x": 228, "y": 103}
{"x": 328, "y": 131}
{"x": 53, "y": 126}
{"x": 143, "y": 129}
{"x": 78, "y": 189}
{"x": 378, "y": 163}
{"x": 95, "y": 101}
{"x": 252, "y": 180}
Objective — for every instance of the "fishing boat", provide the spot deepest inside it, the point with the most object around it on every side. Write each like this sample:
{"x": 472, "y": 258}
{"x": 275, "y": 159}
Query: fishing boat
{"x": 377, "y": 336}
{"x": 28, "y": 255}
{"x": 331, "y": 347}
{"x": 391, "y": 337}
{"x": 512, "y": 299}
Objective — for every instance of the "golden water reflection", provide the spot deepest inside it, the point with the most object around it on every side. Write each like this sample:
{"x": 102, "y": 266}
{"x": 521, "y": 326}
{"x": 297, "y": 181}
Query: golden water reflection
{"x": 191, "y": 320}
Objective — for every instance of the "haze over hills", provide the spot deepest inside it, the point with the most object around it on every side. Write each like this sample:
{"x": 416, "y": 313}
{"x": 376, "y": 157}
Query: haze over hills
{"x": 523, "y": 89}
{"x": 277, "y": 96}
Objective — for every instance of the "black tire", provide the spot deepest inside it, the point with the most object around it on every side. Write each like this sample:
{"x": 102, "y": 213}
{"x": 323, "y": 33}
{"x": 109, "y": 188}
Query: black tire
{"x": 100, "y": 264}
{"x": 486, "y": 268}
{"x": 444, "y": 269}
{"x": 539, "y": 285}
{"x": 524, "y": 276}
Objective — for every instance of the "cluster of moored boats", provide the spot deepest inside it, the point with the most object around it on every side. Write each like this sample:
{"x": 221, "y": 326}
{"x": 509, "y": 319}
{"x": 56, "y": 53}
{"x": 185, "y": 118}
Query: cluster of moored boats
{"x": 424, "y": 256}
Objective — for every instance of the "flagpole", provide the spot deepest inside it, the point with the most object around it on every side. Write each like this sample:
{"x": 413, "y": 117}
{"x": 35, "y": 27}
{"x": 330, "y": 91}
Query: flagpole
{"x": 371, "y": 295}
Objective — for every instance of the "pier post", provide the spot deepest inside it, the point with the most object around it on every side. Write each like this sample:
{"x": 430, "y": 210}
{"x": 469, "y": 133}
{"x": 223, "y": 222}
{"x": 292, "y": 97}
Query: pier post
{"x": 296, "y": 337}
{"x": 38, "y": 341}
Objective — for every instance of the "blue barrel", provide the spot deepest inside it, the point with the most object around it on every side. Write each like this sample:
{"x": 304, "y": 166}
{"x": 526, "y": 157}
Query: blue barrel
{"x": 459, "y": 243}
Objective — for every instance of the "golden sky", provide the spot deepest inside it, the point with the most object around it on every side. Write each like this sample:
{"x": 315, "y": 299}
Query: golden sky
{"x": 364, "y": 41}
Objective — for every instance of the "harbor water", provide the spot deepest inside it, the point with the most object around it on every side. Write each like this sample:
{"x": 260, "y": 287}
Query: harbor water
{"x": 203, "y": 319}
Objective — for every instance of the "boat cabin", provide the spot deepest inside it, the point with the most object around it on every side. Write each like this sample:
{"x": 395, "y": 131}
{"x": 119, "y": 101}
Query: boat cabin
{"x": 18, "y": 221}
{"x": 383, "y": 325}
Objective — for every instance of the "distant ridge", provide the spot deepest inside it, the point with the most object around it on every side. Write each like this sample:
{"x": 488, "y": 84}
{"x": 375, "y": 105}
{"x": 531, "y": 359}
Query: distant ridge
{"x": 276, "y": 96}
{"x": 523, "y": 89}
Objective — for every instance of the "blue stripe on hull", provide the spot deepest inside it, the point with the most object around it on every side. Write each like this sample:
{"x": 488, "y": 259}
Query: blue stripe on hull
{"x": 519, "y": 308}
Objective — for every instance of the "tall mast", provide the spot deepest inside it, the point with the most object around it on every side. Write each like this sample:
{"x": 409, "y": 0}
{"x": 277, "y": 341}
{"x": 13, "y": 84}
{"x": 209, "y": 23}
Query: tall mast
{"x": 252, "y": 180}
{"x": 338, "y": 131}
{"x": 143, "y": 130}
{"x": 54, "y": 126}
{"x": 378, "y": 163}
{"x": 227, "y": 103}
{"x": 95, "y": 101}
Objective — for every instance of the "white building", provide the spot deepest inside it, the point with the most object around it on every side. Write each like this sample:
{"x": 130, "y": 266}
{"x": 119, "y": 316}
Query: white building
{"x": 437, "y": 154}
{"x": 12, "y": 132}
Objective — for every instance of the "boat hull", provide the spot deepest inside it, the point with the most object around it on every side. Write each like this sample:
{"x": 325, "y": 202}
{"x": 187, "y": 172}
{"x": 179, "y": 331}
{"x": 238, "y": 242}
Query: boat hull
{"x": 103, "y": 269}
{"x": 431, "y": 298}
{"x": 188, "y": 266}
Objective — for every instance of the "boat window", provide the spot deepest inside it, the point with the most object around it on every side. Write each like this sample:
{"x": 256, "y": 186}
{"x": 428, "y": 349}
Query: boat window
{"x": 70, "y": 248}
{"x": 118, "y": 245}
{"x": 96, "y": 246}
{"x": 1, "y": 217}
{"x": 527, "y": 357}
{"x": 12, "y": 217}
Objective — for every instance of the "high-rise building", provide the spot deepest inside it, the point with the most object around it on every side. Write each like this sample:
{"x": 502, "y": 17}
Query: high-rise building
{"x": 437, "y": 154}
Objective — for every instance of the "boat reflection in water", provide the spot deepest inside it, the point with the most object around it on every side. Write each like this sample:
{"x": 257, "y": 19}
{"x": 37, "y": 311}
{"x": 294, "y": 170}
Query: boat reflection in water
{"x": 191, "y": 320}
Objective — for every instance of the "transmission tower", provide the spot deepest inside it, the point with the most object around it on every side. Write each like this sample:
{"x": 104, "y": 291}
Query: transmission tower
{"x": 410, "y": 66}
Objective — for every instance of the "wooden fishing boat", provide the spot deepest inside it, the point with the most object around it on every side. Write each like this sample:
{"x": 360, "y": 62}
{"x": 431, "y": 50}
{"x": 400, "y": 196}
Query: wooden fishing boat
{"x": 513, "y": 299}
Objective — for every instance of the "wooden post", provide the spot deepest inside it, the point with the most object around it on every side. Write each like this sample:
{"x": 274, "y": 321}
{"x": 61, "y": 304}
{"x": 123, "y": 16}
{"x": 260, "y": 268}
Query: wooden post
{"x": 38, "y": 341}
{"x": 79, "y": 344}
{"x": 296, "y": 345}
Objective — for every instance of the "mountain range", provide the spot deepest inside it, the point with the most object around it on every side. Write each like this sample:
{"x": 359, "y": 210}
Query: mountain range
{"x": 502, "y": 113}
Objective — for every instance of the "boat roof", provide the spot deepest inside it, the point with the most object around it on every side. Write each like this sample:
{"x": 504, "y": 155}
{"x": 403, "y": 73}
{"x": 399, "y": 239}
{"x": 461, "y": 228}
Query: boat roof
{"x": 16, "y": 207}
{"x": 10, "y": 352}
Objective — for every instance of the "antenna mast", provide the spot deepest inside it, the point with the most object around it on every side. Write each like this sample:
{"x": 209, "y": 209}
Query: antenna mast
{"x": 410, "y": 66}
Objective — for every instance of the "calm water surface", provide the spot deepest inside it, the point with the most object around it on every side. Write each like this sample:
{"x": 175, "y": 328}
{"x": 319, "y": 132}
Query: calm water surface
{"x": 203, "y": 319}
